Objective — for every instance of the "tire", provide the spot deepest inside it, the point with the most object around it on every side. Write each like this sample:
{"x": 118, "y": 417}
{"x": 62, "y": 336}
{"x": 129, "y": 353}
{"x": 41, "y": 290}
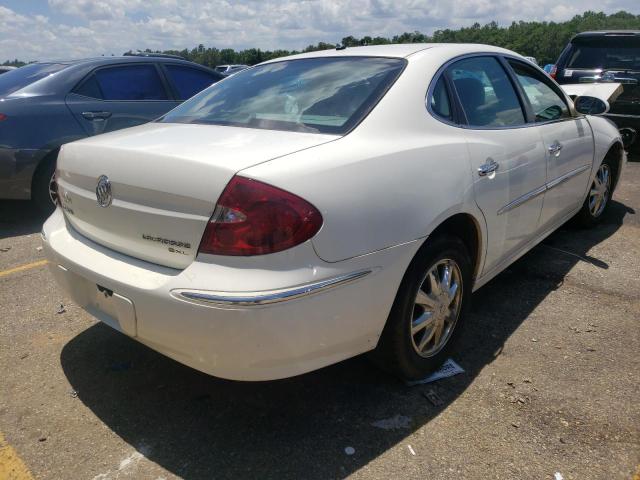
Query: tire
{"x": 42, "y": 190}
{"x": 399, "y": 350}
{"x": 596, "y": 204}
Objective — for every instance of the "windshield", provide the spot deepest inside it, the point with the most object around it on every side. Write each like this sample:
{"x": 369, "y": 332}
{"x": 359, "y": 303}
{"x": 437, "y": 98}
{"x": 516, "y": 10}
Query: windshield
{"x": 607, "y": 53}
{"x": 321, "y": 95}
{"x": 21, "y": 77}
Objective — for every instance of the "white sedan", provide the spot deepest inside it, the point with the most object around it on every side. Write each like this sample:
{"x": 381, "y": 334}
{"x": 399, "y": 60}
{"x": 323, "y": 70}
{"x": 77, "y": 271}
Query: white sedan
{"x": 323, "y": 205}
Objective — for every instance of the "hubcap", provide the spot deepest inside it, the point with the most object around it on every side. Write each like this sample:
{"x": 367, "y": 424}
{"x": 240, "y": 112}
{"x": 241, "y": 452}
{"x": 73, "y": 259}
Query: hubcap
{"x": 436, "y": 308}
{"x": 53, "y": 189}
{"x": 600, "y": 189}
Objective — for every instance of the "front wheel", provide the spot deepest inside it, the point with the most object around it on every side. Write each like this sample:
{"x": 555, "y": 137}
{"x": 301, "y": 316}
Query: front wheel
{"x": 428, "y": 310}
{"x": 598, "y": 198}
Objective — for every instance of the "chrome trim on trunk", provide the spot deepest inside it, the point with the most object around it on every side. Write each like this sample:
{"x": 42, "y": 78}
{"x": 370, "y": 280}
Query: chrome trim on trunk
{"x": 248, "y": 299}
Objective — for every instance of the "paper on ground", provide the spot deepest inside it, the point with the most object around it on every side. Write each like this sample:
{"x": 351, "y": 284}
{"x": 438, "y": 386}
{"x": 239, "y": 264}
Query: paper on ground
{"x": 448, "y": 369}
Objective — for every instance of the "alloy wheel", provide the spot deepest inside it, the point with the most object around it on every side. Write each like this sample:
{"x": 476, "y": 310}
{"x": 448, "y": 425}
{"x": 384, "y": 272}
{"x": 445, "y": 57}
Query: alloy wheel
{"x": 436, "y": 308}
{"x": 53, "y": 189}
{"x": 600, "y": 190}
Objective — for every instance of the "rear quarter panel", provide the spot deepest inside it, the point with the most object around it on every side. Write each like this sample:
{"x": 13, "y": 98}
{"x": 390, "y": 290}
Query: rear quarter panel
{"x": 34, "y": 127}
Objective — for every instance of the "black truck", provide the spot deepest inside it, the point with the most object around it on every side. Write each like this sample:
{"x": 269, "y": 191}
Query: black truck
{"x": 607, "y": 56}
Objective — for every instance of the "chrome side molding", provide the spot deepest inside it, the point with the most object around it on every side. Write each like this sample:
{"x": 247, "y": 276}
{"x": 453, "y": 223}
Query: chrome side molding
{"x": 546, "y": 187}
{"x": 249, "y": 299}
{"x": 563, "y": 178}
{"x": 524, "y": 198}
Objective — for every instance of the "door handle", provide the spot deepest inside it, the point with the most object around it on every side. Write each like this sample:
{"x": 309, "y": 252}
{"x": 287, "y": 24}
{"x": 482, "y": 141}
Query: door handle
{"x": 555, "y": 148}
{"x": 488, "y": 168}
{"x": 96, "y": 115}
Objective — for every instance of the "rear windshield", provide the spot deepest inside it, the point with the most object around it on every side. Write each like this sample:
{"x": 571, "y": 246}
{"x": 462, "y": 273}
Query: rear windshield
{"x": 607, "y": 53}
{"x": 21, "y": 77}
{"x": 320, "y": 95}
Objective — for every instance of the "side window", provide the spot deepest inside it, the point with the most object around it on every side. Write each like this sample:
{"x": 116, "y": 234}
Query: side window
{"x": 440, "y": 104}
{"x": 189, "y": 81}
{"x": 130, "y": 82}
{"x": 545, "y": 102}
{"x": 485, "y": 92}
{"x": 89, "y": 88}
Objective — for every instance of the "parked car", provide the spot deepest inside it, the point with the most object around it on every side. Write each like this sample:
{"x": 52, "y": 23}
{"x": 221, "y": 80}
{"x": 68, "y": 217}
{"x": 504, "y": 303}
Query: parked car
{"x": 317, "y": 207}
{"x": 43, "y": 105}
{"x": 607, "y": 56}
{"x": 5, "y": 69}
{"x": 532, "y": 60}
{"x": 227, "y": 70}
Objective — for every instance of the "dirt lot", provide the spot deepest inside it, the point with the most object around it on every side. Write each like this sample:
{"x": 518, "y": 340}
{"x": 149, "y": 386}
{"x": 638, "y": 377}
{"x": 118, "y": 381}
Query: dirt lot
{"x": 552, "y": 383}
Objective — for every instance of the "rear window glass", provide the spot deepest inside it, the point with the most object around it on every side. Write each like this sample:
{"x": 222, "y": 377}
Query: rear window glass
{"x": 321, "y": 95}
{"x": 89, "y": 88}
{"x": 21, "y": 77}
{"x": 130, "y": 82}
{"x": 440, "y": 103}
{"x": 189, "y": 81}
{"x": 620, "y": 53}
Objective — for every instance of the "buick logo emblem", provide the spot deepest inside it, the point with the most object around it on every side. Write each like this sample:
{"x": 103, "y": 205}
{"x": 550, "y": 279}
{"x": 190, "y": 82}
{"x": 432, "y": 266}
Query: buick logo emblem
{"x": 103, "y": 191}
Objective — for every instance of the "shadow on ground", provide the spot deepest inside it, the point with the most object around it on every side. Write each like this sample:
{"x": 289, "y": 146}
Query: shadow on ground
{"x": 19, "y": 217}
{"x": 197, "y": 426}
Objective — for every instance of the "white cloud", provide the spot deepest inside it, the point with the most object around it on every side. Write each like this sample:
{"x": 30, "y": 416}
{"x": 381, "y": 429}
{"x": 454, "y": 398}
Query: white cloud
{"x": 95, "y": 27}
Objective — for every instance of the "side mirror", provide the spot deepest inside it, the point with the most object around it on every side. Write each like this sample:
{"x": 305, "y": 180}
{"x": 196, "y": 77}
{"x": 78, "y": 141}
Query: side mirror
{"x": 590, "y": 105}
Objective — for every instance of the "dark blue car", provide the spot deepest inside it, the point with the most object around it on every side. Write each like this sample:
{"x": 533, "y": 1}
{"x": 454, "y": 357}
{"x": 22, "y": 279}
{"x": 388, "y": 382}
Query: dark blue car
{"x": 44, "y": 105}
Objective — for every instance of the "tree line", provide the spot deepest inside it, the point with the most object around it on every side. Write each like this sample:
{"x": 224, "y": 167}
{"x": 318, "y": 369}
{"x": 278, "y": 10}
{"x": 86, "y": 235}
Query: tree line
{"x": 542, "y": 40}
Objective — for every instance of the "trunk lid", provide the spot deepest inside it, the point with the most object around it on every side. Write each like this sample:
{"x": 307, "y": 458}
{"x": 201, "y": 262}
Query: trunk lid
{"x": 164, "y": 179}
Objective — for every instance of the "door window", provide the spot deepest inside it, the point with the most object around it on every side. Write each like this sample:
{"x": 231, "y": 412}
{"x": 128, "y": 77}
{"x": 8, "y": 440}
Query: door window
{"x": 189, "y": 81}
{"x": 440, "y": 103}
{"x": 485, "y": 92}
{"x": 546, "y": 104}
{"x": 130, "y": 82}
{"x": 89, "y": 88}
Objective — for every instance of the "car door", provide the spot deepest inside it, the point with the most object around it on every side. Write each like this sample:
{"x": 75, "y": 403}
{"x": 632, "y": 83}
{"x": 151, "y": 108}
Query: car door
{"x": 120, "y": 96}
{"x": 507, "y": 157}
{"x": 568, "y": 143}
{"x": 187, "y": 81}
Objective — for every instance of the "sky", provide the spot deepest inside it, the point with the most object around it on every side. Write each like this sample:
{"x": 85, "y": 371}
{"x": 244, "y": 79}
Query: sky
{"x": 49, "y": 29}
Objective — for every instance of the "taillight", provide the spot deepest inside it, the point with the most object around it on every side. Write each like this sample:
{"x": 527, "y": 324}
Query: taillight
{"x": 254, "y": 218}
{"x": 3, "y": 117}
{"x": 553, "y": 72}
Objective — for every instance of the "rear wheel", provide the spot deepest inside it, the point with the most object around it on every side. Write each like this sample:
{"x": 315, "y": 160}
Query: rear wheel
{"x": 44, "y": 190}
{"x": 597, "y": 202}
{"x": 428, "y": 311}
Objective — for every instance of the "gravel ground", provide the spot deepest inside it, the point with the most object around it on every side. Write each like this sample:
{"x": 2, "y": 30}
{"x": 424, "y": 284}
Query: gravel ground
{"x": 551, "y": 383}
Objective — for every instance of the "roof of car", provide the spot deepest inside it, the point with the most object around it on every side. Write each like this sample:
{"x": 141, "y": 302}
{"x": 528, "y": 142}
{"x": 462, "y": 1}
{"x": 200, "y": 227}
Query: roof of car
{"x": 396, "y": 50}
{"x": 118, "y": 59}
{"x": 598, "y": 33}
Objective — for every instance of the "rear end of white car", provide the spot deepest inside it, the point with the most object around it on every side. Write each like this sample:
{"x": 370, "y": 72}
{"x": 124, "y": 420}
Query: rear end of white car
{"x": 163, "y": 233}
{"x": 242, "y": 318}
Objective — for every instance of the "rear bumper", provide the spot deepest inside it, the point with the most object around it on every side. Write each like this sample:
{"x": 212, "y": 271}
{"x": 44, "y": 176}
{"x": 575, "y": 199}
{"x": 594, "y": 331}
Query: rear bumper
{"x": 328, "y": 312}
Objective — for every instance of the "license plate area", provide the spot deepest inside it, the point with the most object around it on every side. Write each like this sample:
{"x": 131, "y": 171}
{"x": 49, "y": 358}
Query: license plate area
{"x": 108, "y": 306}
{"x": 113, "y": 309}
